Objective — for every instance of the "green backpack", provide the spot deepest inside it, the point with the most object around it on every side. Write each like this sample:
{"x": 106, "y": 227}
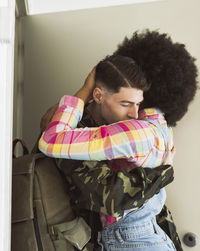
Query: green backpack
{"x": 42, "y": 218}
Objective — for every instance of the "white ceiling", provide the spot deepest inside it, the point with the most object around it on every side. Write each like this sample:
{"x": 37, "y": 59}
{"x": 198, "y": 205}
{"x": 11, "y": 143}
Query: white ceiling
{"x": 48, "y": 6}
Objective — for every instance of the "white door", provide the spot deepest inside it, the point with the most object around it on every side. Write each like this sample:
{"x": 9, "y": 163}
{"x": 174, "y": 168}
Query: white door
{"x": 7, "y": 21}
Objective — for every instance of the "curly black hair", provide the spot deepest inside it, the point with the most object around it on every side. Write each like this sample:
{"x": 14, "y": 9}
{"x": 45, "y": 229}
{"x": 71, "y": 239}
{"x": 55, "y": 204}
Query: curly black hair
{"x": 169, "y": 68}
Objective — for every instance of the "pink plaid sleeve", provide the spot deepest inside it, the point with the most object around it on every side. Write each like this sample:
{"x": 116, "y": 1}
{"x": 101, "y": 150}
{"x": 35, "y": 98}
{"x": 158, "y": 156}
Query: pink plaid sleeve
{"x": 131, "y": 139}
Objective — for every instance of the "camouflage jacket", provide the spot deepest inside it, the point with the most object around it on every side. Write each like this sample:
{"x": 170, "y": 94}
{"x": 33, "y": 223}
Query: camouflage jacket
{"x": 95, "y": 187}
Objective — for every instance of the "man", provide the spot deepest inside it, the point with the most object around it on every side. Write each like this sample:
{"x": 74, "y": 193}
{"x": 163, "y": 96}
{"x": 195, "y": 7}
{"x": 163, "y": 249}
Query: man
{"x": 190, "y": 75}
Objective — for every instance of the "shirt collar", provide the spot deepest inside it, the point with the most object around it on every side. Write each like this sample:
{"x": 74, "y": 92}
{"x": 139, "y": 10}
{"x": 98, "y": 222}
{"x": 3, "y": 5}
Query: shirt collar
{"x": 151, "y": 113}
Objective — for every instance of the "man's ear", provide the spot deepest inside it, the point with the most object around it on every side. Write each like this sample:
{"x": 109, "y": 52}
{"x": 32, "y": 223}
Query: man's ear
{"x": 98, "y": 95}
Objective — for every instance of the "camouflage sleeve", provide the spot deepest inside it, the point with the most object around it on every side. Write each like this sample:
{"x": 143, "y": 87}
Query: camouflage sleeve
{"x": 165, "y": 221}
{"x": 96, "y": 187}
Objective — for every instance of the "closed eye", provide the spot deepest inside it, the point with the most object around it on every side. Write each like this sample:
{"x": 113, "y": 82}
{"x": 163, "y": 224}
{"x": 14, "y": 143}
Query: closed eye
{"x": 129, "y": 104}
{"x": 125, "y": 105}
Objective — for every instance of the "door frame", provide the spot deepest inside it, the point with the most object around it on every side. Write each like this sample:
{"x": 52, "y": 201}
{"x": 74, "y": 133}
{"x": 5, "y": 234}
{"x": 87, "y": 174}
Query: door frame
{"x": 7, "y": 33}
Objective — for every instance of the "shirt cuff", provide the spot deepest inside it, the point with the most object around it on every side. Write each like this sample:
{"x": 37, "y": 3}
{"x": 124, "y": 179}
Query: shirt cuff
{"x": 72, "y": 101}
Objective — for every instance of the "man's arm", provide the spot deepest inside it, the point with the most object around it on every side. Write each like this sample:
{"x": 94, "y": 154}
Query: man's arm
{"x": 96, "y": 187}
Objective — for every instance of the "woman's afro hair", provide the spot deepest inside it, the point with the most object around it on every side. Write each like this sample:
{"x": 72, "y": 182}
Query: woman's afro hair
{"x": 169, "y": 68}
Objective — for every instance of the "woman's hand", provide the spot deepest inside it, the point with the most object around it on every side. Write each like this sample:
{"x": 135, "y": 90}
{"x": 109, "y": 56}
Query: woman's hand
{"x": 169, "y": 156}
{"x": 86, "y": 91}
{"x": 90, "y": 80}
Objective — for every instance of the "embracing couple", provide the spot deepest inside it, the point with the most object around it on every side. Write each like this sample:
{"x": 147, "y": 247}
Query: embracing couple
{"x": 130, "y": 101}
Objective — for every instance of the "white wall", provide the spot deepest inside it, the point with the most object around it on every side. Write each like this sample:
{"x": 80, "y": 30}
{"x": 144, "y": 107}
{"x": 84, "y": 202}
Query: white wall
{"x": 60, "y": 49}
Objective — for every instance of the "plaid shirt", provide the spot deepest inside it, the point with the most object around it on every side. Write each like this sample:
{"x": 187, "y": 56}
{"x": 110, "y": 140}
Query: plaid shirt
{"x": 138, "y": 141}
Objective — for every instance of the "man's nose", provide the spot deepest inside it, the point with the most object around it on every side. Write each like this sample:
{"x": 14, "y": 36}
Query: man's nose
{"x": 133, "y": 113}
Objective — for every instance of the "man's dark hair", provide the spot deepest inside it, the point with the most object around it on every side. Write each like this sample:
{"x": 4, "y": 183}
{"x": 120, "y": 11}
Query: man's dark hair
{"x": 119, "y": 71}
{"x": 168, "y": 67}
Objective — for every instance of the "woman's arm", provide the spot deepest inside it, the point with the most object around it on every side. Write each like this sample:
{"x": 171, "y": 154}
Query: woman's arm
{"x": 132, "y": 139}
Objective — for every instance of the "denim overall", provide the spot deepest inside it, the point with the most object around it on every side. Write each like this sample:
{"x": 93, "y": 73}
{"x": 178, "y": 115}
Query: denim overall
{"x": 138, "y": 230}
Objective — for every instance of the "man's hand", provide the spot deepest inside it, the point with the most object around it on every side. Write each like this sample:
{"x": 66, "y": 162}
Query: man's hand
{"x": 86, "y": 91}
{"x": 47, "y": 117}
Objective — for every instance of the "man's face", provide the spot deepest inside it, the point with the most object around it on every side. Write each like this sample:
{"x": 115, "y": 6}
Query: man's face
{"x": 122, "y": 105}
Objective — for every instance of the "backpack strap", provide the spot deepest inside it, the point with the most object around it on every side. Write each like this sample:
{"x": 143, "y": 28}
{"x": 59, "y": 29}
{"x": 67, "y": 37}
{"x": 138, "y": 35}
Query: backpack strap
{"x": 24, "y": 147}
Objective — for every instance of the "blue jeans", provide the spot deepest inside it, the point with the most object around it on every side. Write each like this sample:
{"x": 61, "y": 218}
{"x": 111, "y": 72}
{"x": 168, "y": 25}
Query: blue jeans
{"x": 127, "y": 235}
